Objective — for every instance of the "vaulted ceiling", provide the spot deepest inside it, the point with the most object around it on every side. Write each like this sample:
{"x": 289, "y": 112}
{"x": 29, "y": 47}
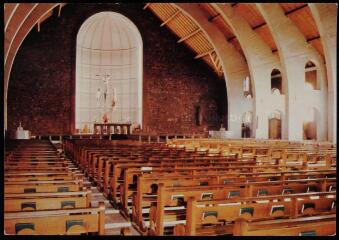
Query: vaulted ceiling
{"x": 20, "y": 18}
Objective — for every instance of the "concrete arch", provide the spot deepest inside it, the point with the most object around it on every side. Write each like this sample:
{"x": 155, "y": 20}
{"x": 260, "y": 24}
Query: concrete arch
{"x": 23, "y": 28}
{"x": 325, "y": 17}
{"x": 9, "y": 11}
{"x": 260, "y": 61}
{"x": 294, "y": 51}
{"x": 233, "y": 65}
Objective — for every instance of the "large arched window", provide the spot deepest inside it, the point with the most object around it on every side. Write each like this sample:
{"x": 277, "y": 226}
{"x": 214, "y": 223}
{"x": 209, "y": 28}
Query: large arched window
{"x": 108, "y": 72}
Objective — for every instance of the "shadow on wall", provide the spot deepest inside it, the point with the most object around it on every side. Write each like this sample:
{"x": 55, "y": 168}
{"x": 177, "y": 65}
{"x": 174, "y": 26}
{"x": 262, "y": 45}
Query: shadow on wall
{"x": 209, "y": 113}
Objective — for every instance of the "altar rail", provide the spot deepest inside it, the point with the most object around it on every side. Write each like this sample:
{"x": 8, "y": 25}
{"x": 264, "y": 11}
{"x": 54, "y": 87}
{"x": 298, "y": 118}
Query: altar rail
{"x": 150, "y": 138}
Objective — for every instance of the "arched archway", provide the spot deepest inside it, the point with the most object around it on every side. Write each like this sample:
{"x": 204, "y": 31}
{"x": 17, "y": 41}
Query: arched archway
{"x": 108, "y": 71}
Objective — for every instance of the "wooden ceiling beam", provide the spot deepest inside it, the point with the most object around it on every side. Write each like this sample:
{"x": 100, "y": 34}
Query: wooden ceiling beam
{"x": 203, "y": 54}
{"x": 59, "y": 10}
{"x": 170, "y": 18}
{"x": 312, "y": 39}
{"x": 9, "y": 11}
{"x": 230, "y": 39}
{"x": 215, "y": 62}
{"x": 146, "y": 6}
{"x": 259, "y": 26}
{"x": 44, "y": 18}
{"x": 210, "y": 19}
{"x": 189, "y": 35}
{"x": 296, "y": 9}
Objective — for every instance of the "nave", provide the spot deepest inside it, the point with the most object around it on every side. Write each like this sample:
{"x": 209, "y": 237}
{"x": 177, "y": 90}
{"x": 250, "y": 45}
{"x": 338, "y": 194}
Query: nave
{"x": 181, "y": 187}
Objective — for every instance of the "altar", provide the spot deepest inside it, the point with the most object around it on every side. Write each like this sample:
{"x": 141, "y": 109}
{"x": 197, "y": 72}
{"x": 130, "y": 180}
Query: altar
{"x": 112, "y": 128}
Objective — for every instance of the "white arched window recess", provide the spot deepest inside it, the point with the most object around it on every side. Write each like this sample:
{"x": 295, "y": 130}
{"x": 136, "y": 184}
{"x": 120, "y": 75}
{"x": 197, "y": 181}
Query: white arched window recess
{"x": 108, "y": 72}
{"x": 276, "y": 91}
{"x": 311, "y": 78}
{"x": 247, "y": 88}
{"x": 276, "y": 81}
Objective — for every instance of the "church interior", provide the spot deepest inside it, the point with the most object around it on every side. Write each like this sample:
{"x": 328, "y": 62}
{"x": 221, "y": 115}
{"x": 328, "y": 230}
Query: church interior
{"x": 170, "y": 119}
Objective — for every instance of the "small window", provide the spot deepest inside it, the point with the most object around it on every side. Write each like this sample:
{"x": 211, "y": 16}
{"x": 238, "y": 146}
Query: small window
{"x": 311, "y": 76}
{"x": 247, "y": 87}
{"x": 276, "y": 81}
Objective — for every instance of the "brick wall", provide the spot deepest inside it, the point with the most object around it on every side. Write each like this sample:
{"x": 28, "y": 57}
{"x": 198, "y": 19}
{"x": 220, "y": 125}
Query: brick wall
{"x": 41, "y": 87}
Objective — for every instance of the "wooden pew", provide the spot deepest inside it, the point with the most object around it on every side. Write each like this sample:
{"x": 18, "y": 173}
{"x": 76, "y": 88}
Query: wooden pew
{"x": 177, "y": 196}
{"x": 15, "y": 202}
{"x": 41, "y": 176}
{"x": 145, "y": 183}
{"x": 44, "y": 186}
{"x": 156, "y": 176}
{"x": 32, "y": 164}
{"x": 51, "y": 222}
{"x": 219, "y": 212}
{"x": 306, "y": 226}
